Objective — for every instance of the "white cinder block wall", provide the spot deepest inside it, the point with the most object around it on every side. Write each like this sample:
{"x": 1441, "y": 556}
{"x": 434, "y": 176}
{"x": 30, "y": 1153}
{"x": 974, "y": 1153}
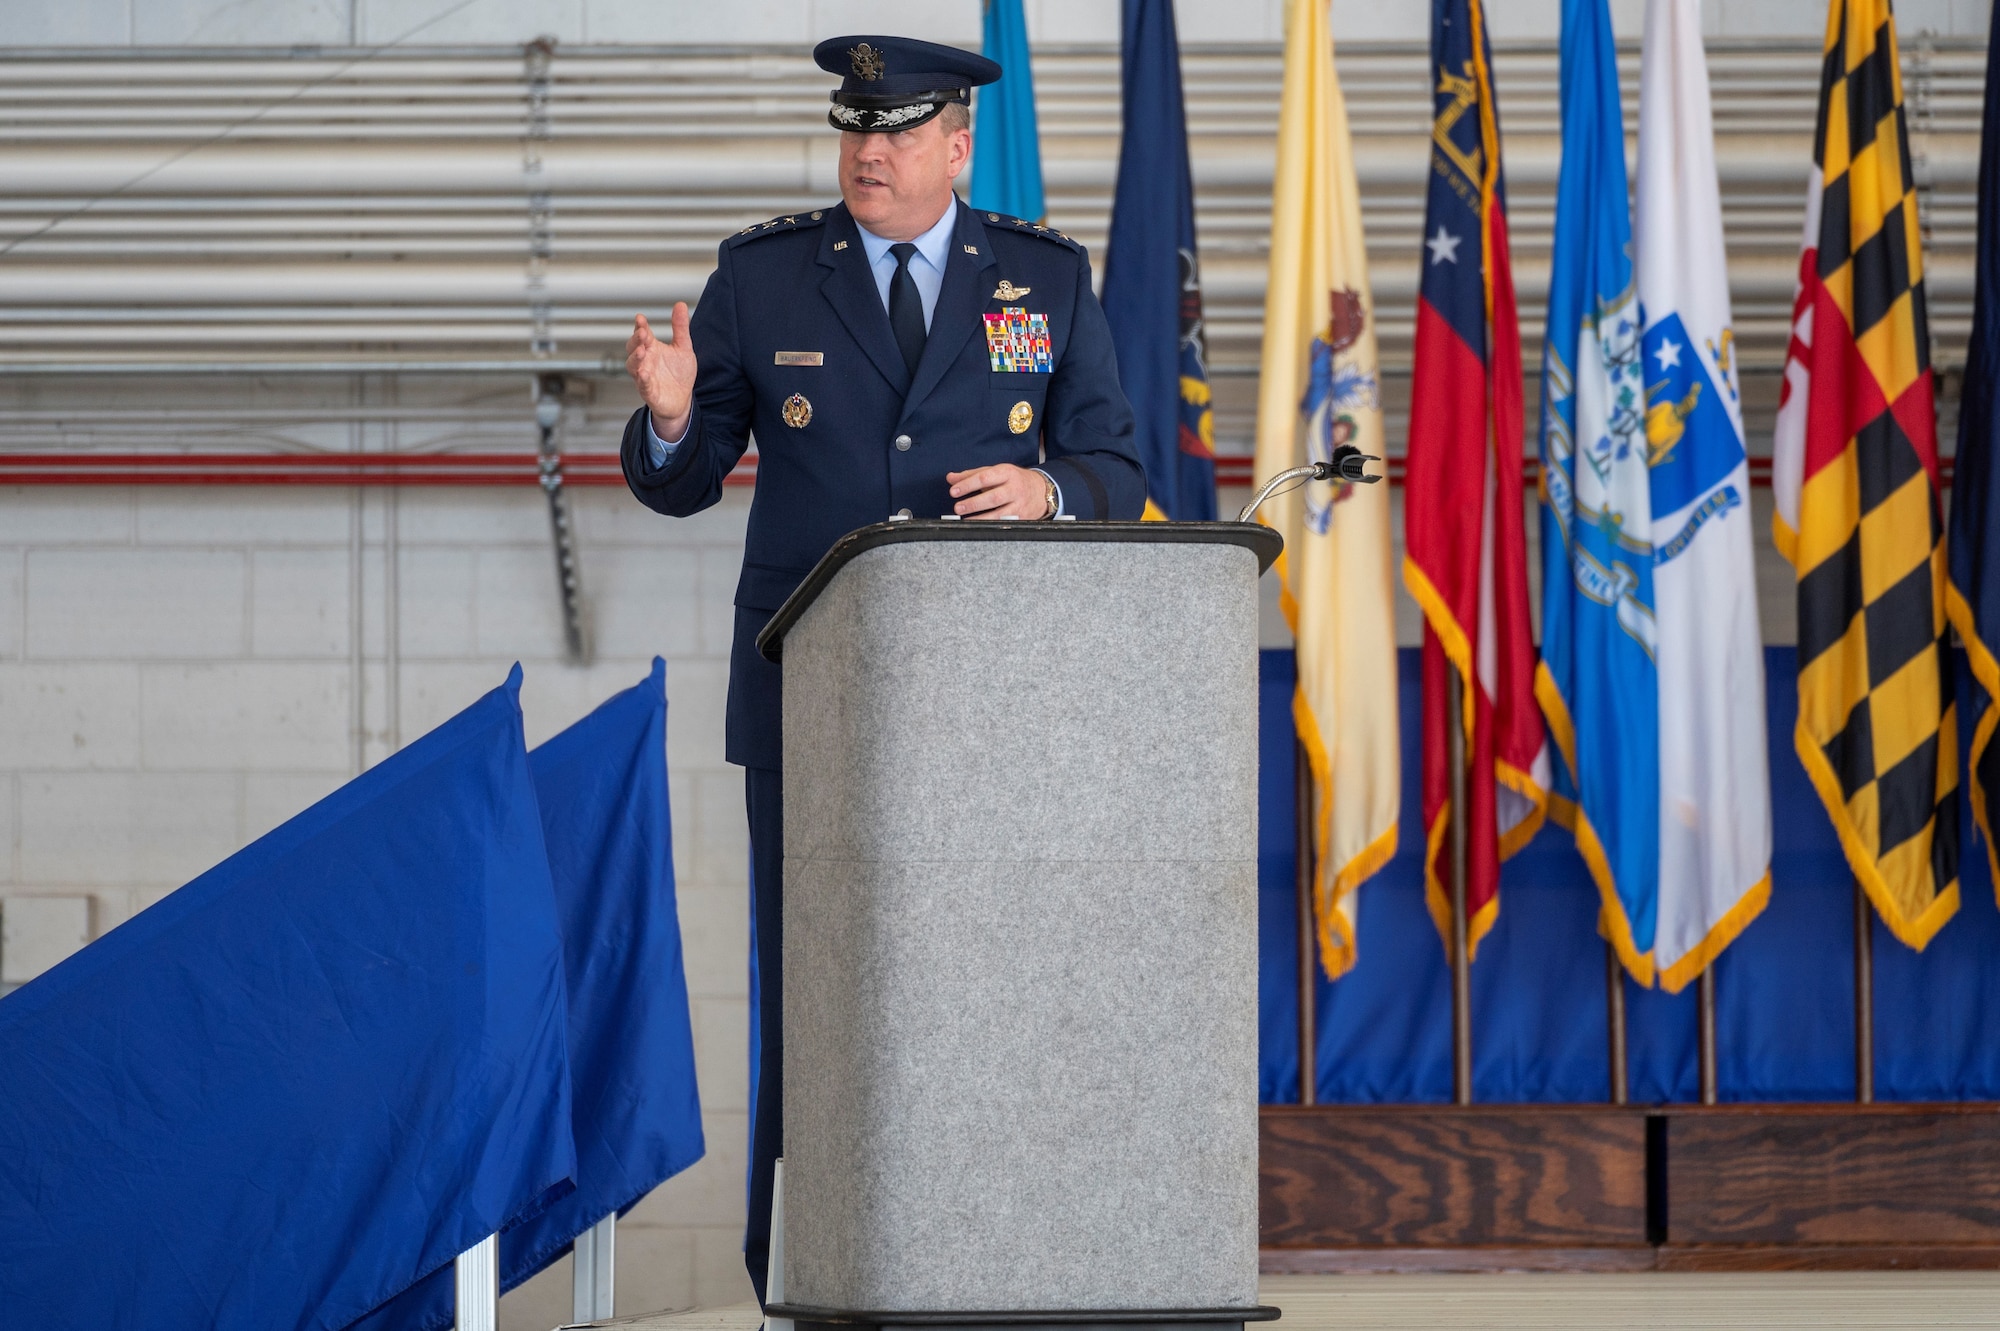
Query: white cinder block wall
{"x": 182, "y": 669}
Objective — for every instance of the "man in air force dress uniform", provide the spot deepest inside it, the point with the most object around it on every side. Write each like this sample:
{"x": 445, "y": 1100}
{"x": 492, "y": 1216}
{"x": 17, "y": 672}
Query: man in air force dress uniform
{"x": 896, "y": 354}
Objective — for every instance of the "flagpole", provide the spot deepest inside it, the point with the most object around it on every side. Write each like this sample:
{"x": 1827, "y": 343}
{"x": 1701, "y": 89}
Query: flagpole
{"x": 1705, "y": 1037}
{"x": 1614, "y": 1003}
{"x": 1302, "y": 788}
{"x": 1864, "y": 999}
{"x": 1461, "y": 968}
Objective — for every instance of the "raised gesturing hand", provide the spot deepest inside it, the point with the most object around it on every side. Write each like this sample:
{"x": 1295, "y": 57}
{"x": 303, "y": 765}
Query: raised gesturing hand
{"x": 664, "y": 372}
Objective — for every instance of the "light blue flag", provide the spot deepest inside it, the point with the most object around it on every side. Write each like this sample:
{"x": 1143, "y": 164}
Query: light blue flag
{"x": 1006, "y": 147}
{"x": 1598, "y": 684}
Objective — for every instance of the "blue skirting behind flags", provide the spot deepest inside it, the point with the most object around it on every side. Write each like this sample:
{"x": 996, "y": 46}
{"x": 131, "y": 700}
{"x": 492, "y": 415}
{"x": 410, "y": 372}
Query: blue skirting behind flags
{"x": 1784, "y": 1018}
{"x": 602, "y": 788}
{"x": 1006, "y": 145}
{"x": 1152, "y": 277}
{"x": 310, "y": 1077}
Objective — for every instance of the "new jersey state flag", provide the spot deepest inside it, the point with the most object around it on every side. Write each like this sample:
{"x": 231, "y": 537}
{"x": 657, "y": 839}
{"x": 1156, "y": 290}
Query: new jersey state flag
{"x": 1598, "y": 685}
{"x": 1465, "y": 556}
{"x": 1715, "y": 787}
{"x": 1854, "y": 469}
{"x": 1319, "y": 390}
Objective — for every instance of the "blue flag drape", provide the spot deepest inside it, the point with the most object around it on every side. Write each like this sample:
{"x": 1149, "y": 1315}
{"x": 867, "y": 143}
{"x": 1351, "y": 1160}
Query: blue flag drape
{"x": 1006, "y": 146}
{"x": 308, "y": 1078}
{"x": 602, "y": 788}
{"x": 1597, "y": 683}
{"x": 1152, "y": 275}
{"x": 1973, "y": 542}
{"x": 1784, "y": 1017}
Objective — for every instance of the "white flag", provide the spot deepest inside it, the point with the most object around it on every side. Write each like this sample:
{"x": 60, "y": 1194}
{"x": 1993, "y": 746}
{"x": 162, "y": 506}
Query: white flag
{"x": 1715, "y": 803}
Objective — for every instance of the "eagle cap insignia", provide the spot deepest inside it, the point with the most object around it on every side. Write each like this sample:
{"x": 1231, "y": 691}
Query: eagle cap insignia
{"x": 1008, "y": 291}
{"x": 868, "y": 64}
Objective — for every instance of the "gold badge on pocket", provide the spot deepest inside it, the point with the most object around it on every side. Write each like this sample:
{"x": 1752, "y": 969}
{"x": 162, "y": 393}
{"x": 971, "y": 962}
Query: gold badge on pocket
{"x": 798, "y": 412}
{"x": 1020, "y": 418}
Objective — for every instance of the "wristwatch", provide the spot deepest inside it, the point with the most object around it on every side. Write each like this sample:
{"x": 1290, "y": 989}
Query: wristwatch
{"x": 1054, "y": 497}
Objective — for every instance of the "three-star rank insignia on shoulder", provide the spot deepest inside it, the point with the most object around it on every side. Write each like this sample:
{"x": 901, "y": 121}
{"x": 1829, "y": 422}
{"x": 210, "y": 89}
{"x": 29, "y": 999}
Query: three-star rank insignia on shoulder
{"x": 777, "y": 225}
{"x": 1042, "y": 229}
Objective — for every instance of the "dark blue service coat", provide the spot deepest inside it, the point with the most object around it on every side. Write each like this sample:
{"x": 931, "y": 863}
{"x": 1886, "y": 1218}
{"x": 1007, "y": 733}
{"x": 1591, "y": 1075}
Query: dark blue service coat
{"x": 874, "y": 440}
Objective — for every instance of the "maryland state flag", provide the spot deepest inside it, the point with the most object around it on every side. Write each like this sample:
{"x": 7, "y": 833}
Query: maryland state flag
{"x": 1973, "y": 595}
{"x": 1320, "y": 388}
{"x": 1465, "y": 558}
{"x": 1855, "y": 471}
{"x": 1152, "y": 280}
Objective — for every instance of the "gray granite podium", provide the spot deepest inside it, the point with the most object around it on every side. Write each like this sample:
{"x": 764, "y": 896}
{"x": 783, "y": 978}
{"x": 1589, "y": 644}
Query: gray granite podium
{"x": 1020, "y": 926}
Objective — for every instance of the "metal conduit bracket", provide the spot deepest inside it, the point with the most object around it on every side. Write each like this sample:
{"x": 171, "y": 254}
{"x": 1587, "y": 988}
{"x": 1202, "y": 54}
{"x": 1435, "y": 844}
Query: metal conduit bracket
{"x": 548, "y": 387}
{"x": 569, "y": 583}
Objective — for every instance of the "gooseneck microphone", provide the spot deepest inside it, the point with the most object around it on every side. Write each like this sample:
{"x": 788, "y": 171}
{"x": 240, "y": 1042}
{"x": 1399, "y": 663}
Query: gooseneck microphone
{"x": 1348, "y": 464}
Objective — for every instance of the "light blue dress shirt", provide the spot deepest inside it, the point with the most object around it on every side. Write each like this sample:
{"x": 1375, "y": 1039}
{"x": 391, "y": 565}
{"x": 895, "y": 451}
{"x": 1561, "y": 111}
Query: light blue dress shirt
{"x": 926, "y": 270}
{"x": 926, "y": 265}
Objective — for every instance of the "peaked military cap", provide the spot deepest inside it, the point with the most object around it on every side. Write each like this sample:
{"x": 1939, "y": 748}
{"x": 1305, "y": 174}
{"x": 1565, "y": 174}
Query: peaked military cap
{"x": 890, "y": 84}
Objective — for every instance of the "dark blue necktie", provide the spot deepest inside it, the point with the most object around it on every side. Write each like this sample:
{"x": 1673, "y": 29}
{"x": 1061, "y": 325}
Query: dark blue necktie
{"x": 906, "y": 307}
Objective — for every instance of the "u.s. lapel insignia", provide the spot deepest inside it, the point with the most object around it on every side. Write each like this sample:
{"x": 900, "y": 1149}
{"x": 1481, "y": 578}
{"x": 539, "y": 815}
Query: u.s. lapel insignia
{"x": 839, "y": 245}
{"x": 1008, "y": 291}
{"x": 798, "y": 412}
{"x": 1020, "y": 418}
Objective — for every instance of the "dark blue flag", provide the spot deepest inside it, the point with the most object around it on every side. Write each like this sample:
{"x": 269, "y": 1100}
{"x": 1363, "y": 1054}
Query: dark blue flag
{"x": 1152, "y": 277}
{"x": 602, "y": 785}
{"x": 1973, "y": 595}
{"x": 310, "y": 1077}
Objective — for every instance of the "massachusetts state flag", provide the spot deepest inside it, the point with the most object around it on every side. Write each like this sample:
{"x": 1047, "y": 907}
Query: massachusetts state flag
{"x": 1973, "y": 594}
{"x": 1152, "y": 278}
{"x": 1854, "y": 468}
{"x": 1598, "y": 685}
{"x": 1465, "y": 559}
{"x": 1320, "y": 388}
{"x": 1715, "y": 801}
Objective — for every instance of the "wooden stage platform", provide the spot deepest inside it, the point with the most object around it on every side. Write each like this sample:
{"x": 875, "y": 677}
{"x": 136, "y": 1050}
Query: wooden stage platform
{"x": 1597, "y": 1188}
{"x": 1685, "y": 1218}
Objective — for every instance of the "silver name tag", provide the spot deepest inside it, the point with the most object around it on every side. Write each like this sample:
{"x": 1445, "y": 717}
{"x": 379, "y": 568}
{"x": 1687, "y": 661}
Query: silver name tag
{"x": 801, "y": 358}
